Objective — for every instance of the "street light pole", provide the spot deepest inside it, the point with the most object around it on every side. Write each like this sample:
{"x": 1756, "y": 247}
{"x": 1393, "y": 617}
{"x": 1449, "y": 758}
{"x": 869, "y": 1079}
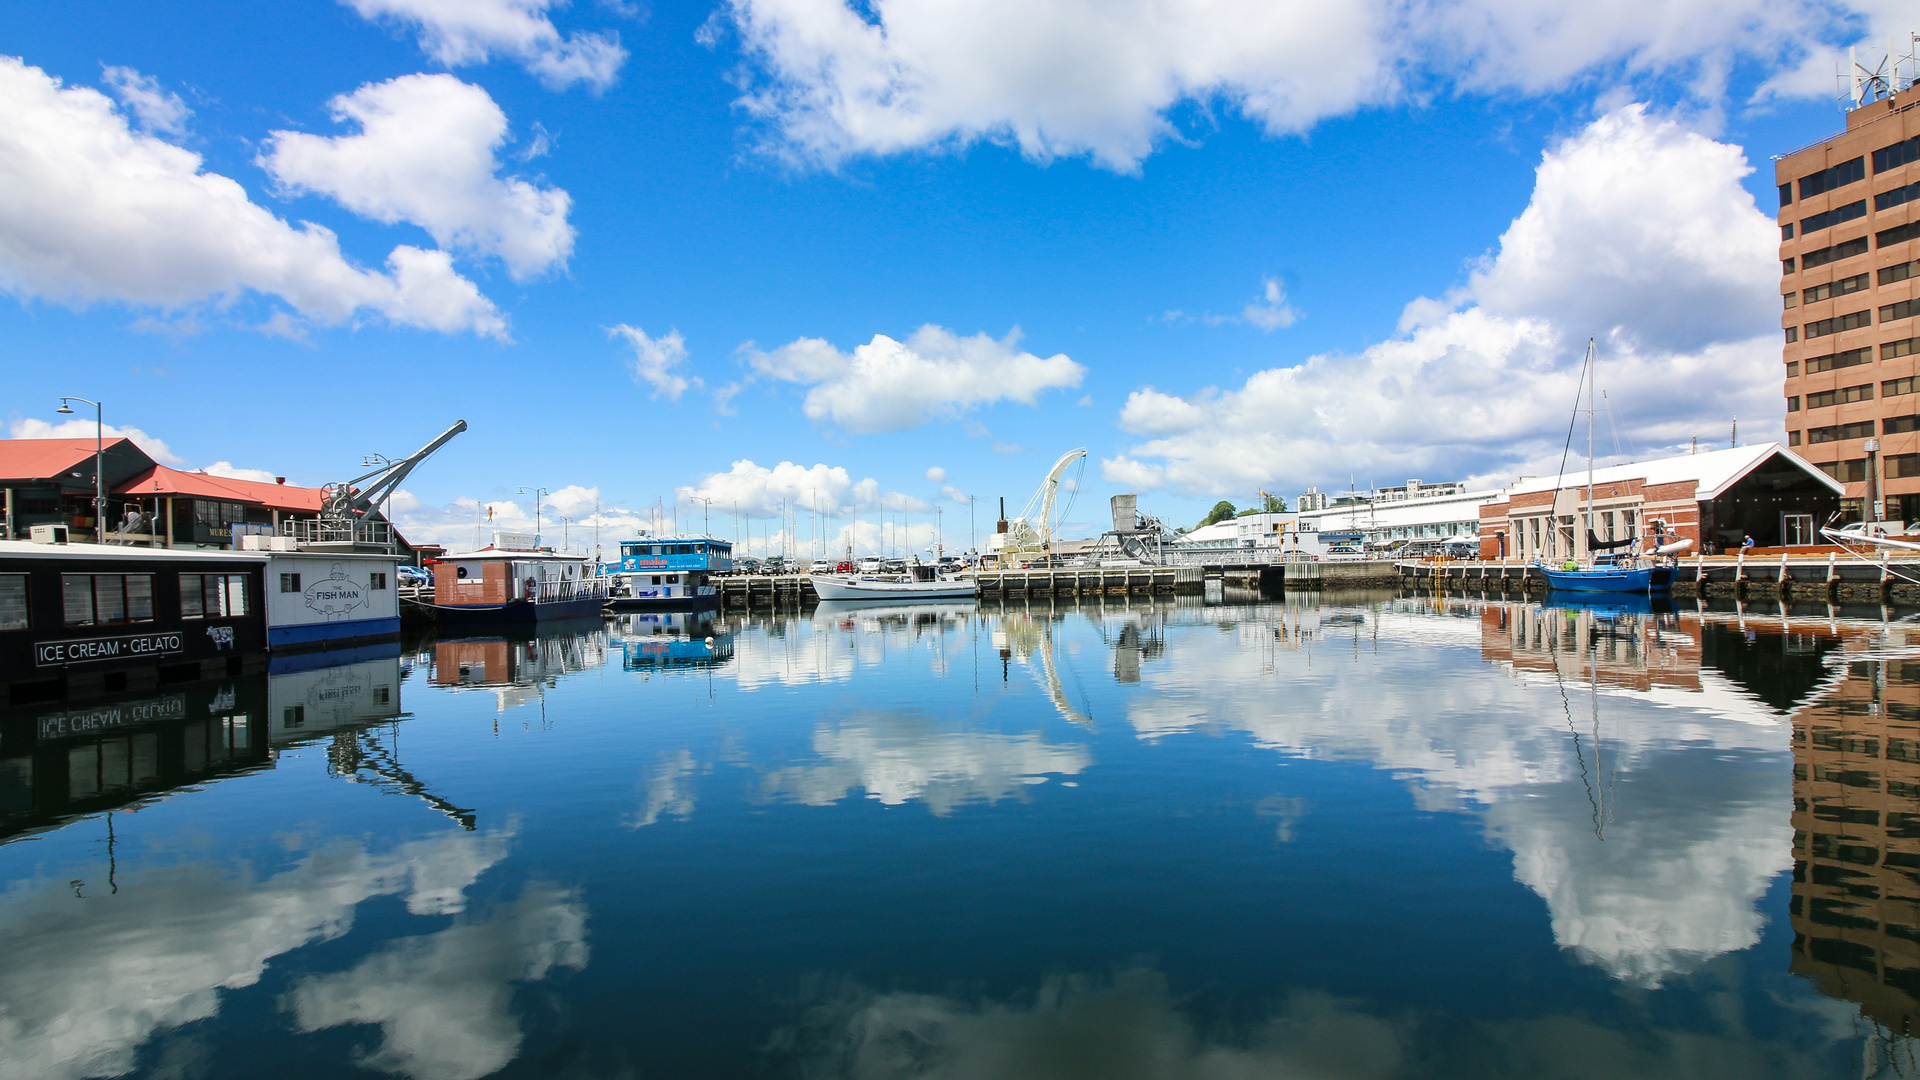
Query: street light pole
{"x": 99, "y": 462}
{"x": 537, "y": 493}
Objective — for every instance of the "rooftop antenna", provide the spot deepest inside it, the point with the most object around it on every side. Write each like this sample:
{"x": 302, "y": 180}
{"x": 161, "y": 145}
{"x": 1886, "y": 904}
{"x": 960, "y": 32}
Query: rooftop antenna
{"x": 1861, "y": 85}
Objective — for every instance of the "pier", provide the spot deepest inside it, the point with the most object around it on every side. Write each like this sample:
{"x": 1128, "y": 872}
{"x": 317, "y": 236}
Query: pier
{"x": 1827, "y": 576}
{"x": 1090, "y": 581}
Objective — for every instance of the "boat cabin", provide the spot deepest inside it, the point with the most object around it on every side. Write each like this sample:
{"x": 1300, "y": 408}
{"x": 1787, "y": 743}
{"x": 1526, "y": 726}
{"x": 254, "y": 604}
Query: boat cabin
{"x": 514, "y": 580}
{"x": 664, "y": 571}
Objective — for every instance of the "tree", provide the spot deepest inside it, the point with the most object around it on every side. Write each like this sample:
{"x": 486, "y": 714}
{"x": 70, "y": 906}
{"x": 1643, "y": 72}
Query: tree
{"x": 1221, "y": 511}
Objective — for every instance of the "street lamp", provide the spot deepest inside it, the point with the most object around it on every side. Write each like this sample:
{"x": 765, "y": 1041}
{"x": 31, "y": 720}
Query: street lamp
{"x": 99, "y": 461}
{"x": 706, "y": 515}
{"x": 368, "y": 461}
{"x": 537, "y": 493}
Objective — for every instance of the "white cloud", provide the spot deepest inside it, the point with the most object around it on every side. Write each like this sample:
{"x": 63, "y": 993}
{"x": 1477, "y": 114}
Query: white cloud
{"x": 157, "y": 108}
{"x": 427, "y": 153}
{"x": 90, "y": 210}
{"x": 229, "y": 469}
{"x": 831, "y": 79}
{"x": 758, "y": 491}
{"x": 937, "y": 474}
{"x": 655, "y": 358}
{"x": 1638, "y": 233}
{"x": 886, "y": 385}
{"x": 456, "y": 32}
{"x": 156, "y": 449}
{"x": 1271, "y": 311}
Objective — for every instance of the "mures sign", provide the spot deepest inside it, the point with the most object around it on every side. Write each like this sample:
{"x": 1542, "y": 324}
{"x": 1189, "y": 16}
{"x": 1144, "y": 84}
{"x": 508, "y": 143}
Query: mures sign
{"x": 97, "y": 649}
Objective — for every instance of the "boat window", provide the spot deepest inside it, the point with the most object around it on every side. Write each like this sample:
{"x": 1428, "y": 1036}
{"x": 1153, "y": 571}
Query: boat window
{"x": 105, "y": 599}
{"x": 13, "y": 602}
{"x": 212, "y": 595}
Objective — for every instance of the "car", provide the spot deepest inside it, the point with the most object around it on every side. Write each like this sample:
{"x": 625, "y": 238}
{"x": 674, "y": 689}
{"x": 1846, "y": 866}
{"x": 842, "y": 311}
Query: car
{"x": 871, "y": 566}
{"x": 746, "y": 566}
{"x": 895, "y": 566}
{"x": 1345, "y": 553}
{"x": 412, "y": 575}
{"x": 844, "y": 566}
{"x": 820, "y": 566}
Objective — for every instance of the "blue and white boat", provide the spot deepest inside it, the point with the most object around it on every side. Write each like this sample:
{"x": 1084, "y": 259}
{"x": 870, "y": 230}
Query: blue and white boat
{"x": 667, "y": 572}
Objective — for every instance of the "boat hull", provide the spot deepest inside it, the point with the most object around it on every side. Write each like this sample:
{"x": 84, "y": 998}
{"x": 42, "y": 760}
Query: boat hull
{"x": 665, "y": 603}
{"x": 1645, "y": 579}
{"x": 518, "y": 611}
{"x": 838, "y": 587}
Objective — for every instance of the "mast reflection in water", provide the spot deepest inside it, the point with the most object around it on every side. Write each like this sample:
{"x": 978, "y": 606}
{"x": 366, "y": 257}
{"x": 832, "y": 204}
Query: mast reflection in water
{"x": 1378, "y": 837}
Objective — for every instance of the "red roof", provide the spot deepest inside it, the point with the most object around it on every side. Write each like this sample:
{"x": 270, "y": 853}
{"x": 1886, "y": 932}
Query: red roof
{"x": 196, "y": 485}
{"x": 44, "y": 459}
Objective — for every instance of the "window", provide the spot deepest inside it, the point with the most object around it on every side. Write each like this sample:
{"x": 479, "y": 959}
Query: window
{"x": 13, "y": 602}
{"x": 1789, "y": 300}
{"x": 1786, "y": 266}
{"x": 376, "y": 582}
{"x": 1799, "y": 529}
{"x": 1895, "y": 425}
{"x": 1887, "y": 200}
{"x": 293, "y": 716}
{"x": 1793, "y": 403}
{"x": 1822, "y": 400}
{"x": 1793, "y": 438}
{"x": 107, "y": 599}
{"x": 1900, "y": 348}
{"x": 1786, "y": 231}
{"x": 1835, "y": 216}
{"x": 214, "y": 596}
{"x": 1847, "y": 472}
{"x": 1793, "y": 368}
{"x": 1899, "y": 273}
{"x": 217, "y": 515}
{"x": 1839, "y": 176}
{"x": 1793, "y": 334}
{"x": 1897, "y": 387}
{"x": 1899, "y": 234}
{"x": 1905, "y": 309}
{"x": 1836, "y": 288}
{"x": 291, "y": 582}
{"x": 1860, "y": 430}
{"x": 1892, "y": 157}
{"x": 1863, "y": 392}
{"x": 1900, "y": 466}
{"x": 1852, "y": 320}
{"x": 1786, "y": 192}
{"x": 1836, "y": 361}
{"x": 1822, "y": 256}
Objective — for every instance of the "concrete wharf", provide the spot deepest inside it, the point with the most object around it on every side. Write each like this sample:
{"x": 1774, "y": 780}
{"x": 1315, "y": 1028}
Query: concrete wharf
{"x": 1827, "y": 576}
{"x": 751, "y": 590}
{"x": 1089, "y": 581}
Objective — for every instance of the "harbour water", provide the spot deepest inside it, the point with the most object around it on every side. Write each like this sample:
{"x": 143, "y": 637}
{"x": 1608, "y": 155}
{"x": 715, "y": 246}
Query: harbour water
{"x": 1367, "y": 836}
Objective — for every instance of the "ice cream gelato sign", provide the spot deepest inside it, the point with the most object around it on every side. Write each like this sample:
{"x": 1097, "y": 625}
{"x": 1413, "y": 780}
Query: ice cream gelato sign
{"x": 335, "y": 595}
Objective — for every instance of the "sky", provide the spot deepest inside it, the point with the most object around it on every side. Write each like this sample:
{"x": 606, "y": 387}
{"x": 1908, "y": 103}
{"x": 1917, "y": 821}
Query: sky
{"x": 804, "y": 271}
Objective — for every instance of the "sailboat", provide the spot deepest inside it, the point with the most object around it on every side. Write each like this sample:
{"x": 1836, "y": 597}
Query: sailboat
{"x": 1614, "y": 566}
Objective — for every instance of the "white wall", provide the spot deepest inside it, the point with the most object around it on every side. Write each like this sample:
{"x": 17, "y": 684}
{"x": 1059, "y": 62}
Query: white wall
{"x": 326, "y": 598}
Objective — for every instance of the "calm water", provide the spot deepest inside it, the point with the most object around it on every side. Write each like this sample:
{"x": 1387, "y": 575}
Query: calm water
{"x": 1378, "y": 837}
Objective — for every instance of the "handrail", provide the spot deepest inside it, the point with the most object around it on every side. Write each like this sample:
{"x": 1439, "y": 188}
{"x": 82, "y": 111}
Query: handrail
{"x": 560, "y": 589}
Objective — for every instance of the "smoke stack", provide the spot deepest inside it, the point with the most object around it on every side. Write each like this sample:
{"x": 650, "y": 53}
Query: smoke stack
{"x": 1001, "y": 525}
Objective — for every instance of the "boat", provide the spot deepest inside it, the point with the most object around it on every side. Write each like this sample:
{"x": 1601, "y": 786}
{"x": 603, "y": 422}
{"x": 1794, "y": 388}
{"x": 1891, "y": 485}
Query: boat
{"x": 1617, "y": 566}
{"x": 667, "y": 573}
{"x": 920, "y": 582}
{"x": 515, "y": 580}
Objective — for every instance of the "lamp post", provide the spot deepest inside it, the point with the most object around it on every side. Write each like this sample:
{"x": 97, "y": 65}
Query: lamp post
{"x": 706, "y": 515}
{"x": 99, "y": 461}
{"x": 537, "y": 494}
{"x": 368, "y": 461}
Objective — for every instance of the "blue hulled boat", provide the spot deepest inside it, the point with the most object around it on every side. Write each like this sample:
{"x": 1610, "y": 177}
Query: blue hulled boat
{"x": 668, "y": 572}
{"x": 1609, "y": 574}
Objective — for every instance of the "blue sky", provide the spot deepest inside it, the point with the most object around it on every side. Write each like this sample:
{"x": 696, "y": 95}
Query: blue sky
{"x": 1206, "y": 232}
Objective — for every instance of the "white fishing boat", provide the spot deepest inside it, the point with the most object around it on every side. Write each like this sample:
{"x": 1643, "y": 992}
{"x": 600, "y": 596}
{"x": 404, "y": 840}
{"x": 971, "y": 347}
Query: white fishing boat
{"x": 920, "y": 582}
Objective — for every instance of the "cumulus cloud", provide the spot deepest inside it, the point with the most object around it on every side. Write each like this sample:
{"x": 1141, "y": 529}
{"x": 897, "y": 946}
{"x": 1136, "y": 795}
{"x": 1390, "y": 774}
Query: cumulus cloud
{"x": 156, "y": 107}
{"x": 655, "y": 358}
{"x": 887, "y": 385}
{"x": 1638, "y": 234}
{"x": 232, "y": 471}
{"x": 427, "y": 153}
{"x": 156, "y": 449}
{"x": 456, "y": 32}
{"x": 92, "y": 210}
{"x": 830, "y": 79}
{"x": 937, "y": 474}
{"x": 1271, "y": 311}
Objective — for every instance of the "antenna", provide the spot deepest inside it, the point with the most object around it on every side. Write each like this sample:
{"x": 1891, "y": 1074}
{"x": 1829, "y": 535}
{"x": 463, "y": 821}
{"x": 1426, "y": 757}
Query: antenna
{"x": 1861, "y": 85}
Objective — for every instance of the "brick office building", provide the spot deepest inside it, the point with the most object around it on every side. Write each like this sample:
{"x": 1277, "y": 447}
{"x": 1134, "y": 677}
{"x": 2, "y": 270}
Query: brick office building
{"x": 1849, "y": 265}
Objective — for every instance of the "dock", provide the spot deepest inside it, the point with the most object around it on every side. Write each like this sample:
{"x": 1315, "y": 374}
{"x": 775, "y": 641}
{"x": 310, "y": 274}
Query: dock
{"x": 1827, "y": 576}
{"x": 1089, "y": 581}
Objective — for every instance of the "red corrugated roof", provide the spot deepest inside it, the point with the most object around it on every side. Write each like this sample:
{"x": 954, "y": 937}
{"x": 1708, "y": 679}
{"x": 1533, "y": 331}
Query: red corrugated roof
{"x": 44, "y": 459}
{"x": 196, "y": 485}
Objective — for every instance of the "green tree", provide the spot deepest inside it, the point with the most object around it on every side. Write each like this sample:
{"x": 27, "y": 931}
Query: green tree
{"x": 1221, "y": 511}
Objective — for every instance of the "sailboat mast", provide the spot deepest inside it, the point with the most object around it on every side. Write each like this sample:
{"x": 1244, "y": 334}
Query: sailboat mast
{"x": 1588, "y": 523}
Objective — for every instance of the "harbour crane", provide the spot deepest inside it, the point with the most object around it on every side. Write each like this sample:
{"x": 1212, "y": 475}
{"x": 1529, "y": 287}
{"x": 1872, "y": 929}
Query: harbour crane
{"x": 344, "y": 506}
{"x": 1032, "y": 531}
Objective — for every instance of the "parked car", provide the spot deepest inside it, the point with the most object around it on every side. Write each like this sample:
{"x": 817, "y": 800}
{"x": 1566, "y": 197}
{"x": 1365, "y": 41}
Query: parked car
{"x": 414, "y": 575}
{"x": 871, "y": 566}
{"x": 820, "y": 566}
{"x": 895, "y": 566}
{"x": 844, "y": 566}
{"x": 746, "y": 566}
{"x": 1345, "y": 553}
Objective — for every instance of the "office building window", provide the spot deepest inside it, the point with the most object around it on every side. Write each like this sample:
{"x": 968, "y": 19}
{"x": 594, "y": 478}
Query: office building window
{"x": 1892, "y": 157}
{"x": 1786, "y": 266}
{"x": 1840, "y": 175}
{"x": 1847, "y": 472}
{"x": 1839, "y": 214}
{"x": 1823, "y": 399}
{"x": 1793, "y": 403}
{"x": 1895, "y": 425}
{"x": 1887, "y": 200}
{"x": 1793, "y": 438}
{"x": 1852, "y": 320}
{"x": 1836, "y": 361}
{"x": 107, "y": 599}
{"x": 1905, "y": 347}
{"x": 1836, "y": 288}
{"x": 1793, "y": 368}
{"x": 1793, "y": 334}
{"x": 1899, "y": 273}
{"x": 1905, "y": 309}
{"x": 1786, "y": 231}
{"x": 1789, "y": 300}
{"x": 1861, "y": 430}
{"x": 1846, "y": 249}
{"x": 1863, "y": 392}
{"x": 13, "y": 602}
{"x": 1901, "y": 466}
{"x": 291, "y": 582}
{"x": 1786, "y": 194}
{"x": 1897, "y": 387}
{"x": 213, "y": 596}
{"x": 1899, "y": 234}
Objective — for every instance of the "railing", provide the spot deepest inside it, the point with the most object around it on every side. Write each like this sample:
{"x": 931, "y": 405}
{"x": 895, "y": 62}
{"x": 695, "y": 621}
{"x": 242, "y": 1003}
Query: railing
{"x": 316, "y": 531}
{"x": 562, "y": 589}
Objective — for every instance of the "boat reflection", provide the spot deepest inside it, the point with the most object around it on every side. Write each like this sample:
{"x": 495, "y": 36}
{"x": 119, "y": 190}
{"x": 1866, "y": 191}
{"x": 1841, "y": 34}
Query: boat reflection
{"x": 517, "y": 665}
{"x": 662, "y": 640}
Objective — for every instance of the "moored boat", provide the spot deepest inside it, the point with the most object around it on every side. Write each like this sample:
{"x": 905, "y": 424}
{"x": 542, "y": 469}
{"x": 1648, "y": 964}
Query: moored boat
{"x": 667, "y": 572}
{"x": 515, "y": 581}
{"x": 920, "y": 582}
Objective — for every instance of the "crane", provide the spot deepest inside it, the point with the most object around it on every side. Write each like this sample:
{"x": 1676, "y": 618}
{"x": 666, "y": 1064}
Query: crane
{"x": 344, "y": 506}
{"x": 1033, "y": 529}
